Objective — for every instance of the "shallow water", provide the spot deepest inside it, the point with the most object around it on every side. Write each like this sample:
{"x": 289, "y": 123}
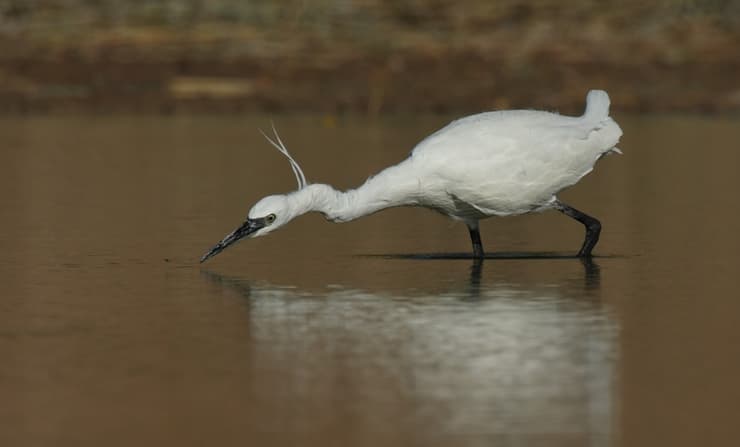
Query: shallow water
{"x": 112, "y": 334}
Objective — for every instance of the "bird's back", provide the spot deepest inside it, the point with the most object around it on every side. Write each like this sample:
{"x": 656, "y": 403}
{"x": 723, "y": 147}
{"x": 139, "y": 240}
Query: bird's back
{"x": 511, "y": 162}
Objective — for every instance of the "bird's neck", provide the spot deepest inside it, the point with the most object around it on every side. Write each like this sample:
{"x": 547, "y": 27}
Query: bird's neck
{"x": 389, "y": 188}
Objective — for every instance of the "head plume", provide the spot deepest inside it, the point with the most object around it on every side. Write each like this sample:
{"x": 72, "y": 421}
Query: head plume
{"x": 278, "y": 144}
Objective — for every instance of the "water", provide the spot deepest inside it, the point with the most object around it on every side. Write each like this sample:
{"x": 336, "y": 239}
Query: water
{"x": 112, "y": 334}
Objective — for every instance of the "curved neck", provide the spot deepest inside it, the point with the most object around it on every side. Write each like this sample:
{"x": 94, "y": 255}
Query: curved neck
{"x": 389, "y": 188}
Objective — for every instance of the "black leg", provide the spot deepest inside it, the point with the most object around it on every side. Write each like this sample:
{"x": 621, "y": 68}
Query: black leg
{"x": 477, "y": 245}
{"x": 593, "y": 227}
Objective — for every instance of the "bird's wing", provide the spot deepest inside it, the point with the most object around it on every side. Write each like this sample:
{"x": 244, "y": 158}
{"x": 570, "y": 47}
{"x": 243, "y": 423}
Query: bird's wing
{"x": 501, "y": 137}
{"x": 510, "y": 162}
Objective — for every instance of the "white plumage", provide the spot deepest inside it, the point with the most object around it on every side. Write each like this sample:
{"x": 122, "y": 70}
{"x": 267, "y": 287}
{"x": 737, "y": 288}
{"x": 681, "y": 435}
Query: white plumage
{"x": 490, "y": 164}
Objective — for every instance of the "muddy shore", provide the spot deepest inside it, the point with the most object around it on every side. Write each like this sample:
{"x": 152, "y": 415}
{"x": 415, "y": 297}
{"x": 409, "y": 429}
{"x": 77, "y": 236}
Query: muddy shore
{"x": 679, "y": 63}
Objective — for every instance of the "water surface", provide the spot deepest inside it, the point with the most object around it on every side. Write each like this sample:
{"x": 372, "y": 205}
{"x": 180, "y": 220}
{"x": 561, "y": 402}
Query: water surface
{"x": 111, "y": 333}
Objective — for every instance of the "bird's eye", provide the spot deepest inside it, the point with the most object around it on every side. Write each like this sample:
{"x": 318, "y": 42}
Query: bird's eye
{"x": 270, "y": 218}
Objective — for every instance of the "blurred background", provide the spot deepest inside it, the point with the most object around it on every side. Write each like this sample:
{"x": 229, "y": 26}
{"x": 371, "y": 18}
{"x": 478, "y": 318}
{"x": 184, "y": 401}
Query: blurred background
{"x": 367, "y": 56}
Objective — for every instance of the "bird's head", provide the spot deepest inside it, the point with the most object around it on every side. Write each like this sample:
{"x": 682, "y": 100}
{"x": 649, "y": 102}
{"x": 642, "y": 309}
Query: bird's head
{"x": 267, "y": 215}
{"x": 270, "y": 213}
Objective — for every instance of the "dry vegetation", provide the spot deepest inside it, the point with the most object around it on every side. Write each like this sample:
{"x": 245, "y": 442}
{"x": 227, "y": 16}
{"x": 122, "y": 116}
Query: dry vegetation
{"x": 370, "y": 56}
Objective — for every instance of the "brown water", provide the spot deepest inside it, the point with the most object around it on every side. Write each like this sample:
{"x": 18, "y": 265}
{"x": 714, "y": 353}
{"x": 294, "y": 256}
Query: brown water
{"x": 112, "y": 334}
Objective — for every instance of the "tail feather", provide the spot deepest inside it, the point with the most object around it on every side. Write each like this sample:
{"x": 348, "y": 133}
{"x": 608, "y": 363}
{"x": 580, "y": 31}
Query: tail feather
{"x": 597, "y": 106}
{"x": 599, "y": 127}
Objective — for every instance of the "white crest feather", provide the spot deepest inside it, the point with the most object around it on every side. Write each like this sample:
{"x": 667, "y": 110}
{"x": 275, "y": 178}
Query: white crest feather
{"x": 278, "y": 144}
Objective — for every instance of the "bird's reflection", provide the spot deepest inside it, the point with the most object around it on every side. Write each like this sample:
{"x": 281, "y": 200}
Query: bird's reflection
{"x": 503, "y": 349}
{"x": 591, "y": 271}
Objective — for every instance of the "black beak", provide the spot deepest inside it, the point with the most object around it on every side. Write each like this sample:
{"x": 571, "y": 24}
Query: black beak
{"x": 247, "y": 228}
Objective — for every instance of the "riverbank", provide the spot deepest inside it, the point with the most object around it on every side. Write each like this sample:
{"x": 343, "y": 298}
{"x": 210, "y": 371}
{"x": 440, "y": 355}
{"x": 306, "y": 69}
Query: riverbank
{"x": 515, "y": 57}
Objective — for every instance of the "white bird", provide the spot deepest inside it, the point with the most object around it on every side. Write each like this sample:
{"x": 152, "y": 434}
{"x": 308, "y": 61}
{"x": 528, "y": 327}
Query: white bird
{"x": 491, "y": 164}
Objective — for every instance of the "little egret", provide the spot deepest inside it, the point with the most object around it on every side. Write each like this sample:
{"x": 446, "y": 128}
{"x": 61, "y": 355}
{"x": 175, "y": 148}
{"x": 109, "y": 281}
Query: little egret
{"x": 491, "y": 164}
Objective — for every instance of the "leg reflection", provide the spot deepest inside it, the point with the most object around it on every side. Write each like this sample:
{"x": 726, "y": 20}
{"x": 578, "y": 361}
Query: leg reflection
{"x": 591, "y": 273}
{"x": 475, "y": 274}
{"x": 591, "y": 276}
